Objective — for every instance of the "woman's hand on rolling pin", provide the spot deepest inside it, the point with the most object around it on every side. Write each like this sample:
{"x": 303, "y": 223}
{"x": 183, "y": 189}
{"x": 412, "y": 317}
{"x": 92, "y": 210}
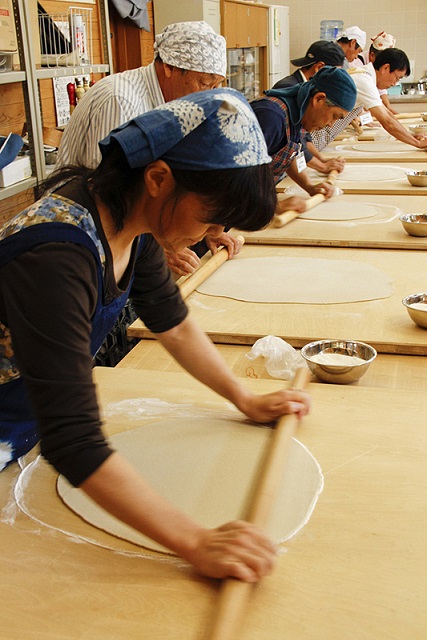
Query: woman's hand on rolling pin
{"x": 268, "y": 407}
{"x": 291, "y": 203}
{"x": 237, "y": 549}
{"x": 324, "y": 188}
{"x": 421, "y": 140}
{"x": 231, "y": 243}
{"x": 183, "y": 263}
{"x": 335, "y": 164}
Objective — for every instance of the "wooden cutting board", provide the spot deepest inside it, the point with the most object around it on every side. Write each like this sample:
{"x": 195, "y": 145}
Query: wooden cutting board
{"x": 370, "y": 233}
{"x": 395, "y": 187}
{"x": 363, "y": 547}
{"x": 384, "y": 324}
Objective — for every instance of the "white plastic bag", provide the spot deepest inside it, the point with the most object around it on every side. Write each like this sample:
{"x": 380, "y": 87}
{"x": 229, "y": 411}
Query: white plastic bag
{"x": 282, "y": 359}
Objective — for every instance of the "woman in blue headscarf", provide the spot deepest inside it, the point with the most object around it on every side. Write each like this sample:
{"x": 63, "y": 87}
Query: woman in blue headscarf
{"x": 69, "y": 263}
{"x": 284, "y": 114}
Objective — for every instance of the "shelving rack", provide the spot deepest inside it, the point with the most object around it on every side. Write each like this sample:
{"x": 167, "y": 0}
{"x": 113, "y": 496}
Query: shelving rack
{"x": 29, "y": 76}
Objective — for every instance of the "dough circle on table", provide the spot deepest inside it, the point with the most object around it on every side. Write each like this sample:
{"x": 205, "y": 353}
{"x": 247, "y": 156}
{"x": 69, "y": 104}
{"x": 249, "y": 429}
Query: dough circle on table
{"x": 370, "y": 173}
{"x": 298, "y": 280}
{"x": 385, "y": 146}
{"x": 336, "y": 210}
{"x": 205, "y": 467}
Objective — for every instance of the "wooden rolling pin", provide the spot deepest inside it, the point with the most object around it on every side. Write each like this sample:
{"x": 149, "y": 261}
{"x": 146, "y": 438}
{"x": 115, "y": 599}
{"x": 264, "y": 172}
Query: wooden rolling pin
{"x": 357, "y": 127}
{"x": 192, "y": 282}
{"x": 407, "y": 116}
{"x": 281, "y": 219}
{"x": 234, "y": 594}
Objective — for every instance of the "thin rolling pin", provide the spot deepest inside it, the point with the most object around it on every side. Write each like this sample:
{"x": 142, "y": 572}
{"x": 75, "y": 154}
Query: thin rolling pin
{"x": 281, "y": 219}
{"x": 234, "y": 594}
{"x": 206, "y": 270}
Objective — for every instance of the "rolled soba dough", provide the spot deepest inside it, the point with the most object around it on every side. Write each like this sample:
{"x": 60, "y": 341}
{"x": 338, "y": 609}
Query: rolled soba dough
{"x": 338, "y": 210}
{"x": 370, "y": 173}
{"x": 207, "y": 468}
{"x": 385, "y": 146}
{"x": 298, "y": 280}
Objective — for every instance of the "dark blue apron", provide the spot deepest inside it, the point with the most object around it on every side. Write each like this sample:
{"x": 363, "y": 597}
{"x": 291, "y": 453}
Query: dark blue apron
{"x": 18, "y": 428}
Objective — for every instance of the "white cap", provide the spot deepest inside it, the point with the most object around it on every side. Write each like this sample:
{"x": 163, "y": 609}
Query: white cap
{"x": 354, "y": 33}
{"x": 383, "y": 41}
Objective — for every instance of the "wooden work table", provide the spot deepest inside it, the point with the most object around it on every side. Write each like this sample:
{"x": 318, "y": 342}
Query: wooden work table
{"x": 356, "y": 570}
{"x": 385, "y": 323}
{"x": 378, "y": 232}
{"x": 391, "y": 188}
{"x": 387, "y": 371}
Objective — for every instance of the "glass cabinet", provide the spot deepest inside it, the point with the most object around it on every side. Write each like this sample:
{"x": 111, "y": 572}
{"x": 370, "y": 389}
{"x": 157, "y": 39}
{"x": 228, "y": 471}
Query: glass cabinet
{"x": 243, "y": 71}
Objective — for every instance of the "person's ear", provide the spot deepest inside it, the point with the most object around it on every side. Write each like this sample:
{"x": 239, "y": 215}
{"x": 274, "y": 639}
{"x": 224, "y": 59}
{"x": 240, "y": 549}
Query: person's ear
{"x": 168, "y": 70}
{"x": 319, "y": 65}
{"x": 158, "y": 178}
{"x": 318, "y": 99}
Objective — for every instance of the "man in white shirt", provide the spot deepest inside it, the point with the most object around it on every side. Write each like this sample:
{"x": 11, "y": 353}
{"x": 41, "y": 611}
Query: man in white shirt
{"x": 381, "y": 42}
{"x": 389, "y": 67}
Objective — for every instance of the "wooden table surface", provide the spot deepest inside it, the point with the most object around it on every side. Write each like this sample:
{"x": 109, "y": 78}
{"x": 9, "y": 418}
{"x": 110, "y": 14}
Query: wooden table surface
{"x": 380, "y": 188}
{"x": 385, "y": 323}
{"x": 355, "y": 571}
{"x": 387, "y": 371}
{"x": 374, "y": 232}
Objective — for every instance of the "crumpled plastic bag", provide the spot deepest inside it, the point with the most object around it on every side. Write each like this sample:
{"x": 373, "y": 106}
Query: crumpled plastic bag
{"x": 282, "y": 359}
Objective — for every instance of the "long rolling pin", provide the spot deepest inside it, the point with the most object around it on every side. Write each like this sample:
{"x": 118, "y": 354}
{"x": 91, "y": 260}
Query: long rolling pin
{"x": 281, "y": 219}
{"x": 192, "y": 282}
{"x": 234, "y": 594}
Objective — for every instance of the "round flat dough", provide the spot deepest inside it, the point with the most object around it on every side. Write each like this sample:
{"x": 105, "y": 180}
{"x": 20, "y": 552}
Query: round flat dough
{"x": 298, "y": 280}
{"x": 336, "y": 210}
{"x": 370, "y": 173}
{"x": 386, "y": 146}
{"x": 207, "y": 468}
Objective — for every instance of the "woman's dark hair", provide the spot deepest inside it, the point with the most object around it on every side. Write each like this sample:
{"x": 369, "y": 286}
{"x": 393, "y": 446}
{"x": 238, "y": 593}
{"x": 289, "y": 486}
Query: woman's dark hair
{"x": 244, "y": 198}
{"x": 396, "y": 58}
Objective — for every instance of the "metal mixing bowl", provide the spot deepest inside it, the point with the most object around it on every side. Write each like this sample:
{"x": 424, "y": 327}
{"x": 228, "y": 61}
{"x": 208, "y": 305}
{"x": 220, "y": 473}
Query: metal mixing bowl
{"x": 418, "y": 128}
{"x": 417, "y": 178}
{"x": 339, "y": 374}
{"x": 415, "y": 223}
{"x": 419, "y": 316}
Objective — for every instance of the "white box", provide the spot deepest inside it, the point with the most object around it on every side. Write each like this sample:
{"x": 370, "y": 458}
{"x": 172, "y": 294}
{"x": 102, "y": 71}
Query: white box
{"x": 18, "y": 170}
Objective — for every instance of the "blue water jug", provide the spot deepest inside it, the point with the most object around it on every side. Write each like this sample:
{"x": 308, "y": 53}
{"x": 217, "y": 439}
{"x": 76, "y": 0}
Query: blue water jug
{"x": 331, "y": 29}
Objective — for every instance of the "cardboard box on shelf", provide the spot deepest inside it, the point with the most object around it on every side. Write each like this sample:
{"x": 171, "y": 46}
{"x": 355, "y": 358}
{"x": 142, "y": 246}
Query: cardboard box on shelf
{"x": 15, "y": 171}
{"x": 8, "y": 40}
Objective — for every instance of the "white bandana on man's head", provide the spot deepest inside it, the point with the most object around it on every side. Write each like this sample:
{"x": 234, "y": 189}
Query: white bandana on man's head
{"x": 193, "y": 46}
{"x": 383, "y": 41}
{"x": 215, "y": 129}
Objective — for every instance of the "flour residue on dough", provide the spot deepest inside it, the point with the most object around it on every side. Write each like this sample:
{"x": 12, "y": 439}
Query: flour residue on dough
{"x": 298, "y": 280}
{"x": 208, "y": 469}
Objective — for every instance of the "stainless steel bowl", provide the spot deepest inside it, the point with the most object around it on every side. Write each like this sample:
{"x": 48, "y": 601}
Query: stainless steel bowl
{"x": 424, "y": 116}
{"x": 418, "y": 128}
{"x": 415, "y": 224}
{"x": 417, "y": 178}
{"x": 419, "y": 316}
{"x": 339, "y": 374}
